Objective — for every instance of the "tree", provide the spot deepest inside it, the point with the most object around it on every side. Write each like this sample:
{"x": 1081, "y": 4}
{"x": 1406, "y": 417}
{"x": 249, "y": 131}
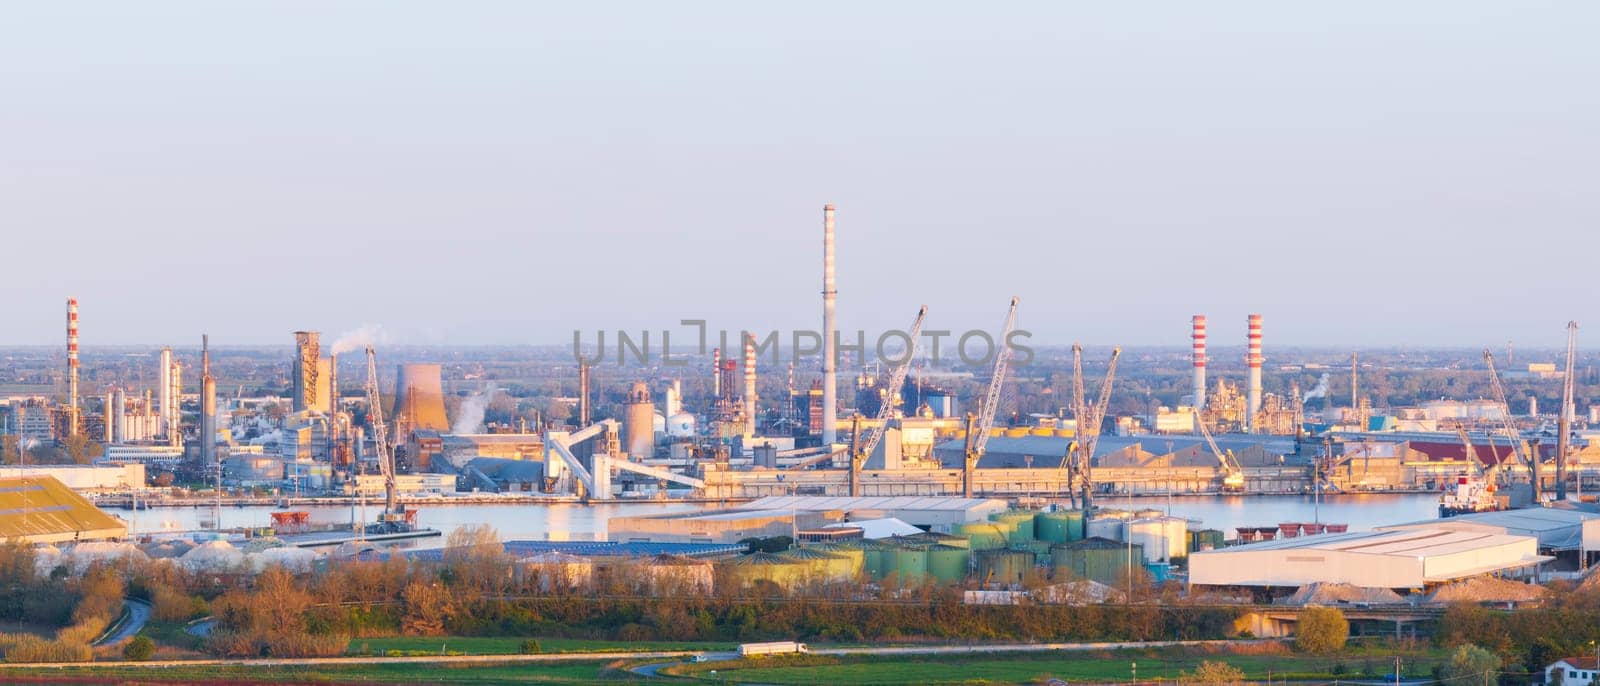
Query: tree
{"x": 10, "y": 450}
{"x": 1471, "y": 666}
{"x": 140, "y": 648}
{"x": 1321, "y": 630}
{"x": 1213, "y": 673}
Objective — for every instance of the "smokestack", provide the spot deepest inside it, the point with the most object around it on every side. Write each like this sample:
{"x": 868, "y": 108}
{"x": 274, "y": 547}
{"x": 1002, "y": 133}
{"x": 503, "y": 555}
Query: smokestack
{"x": 117, "y": 416}
{"x": 749, "y": 385}
{"x": 716, "y": 375}
{"x": 1253, "y": 360}
{"x": 208, "y": 407}
{"x": 830, "y": 329}
{"x": 175, "y": 429}
{"x": 1199, "y": 337}
{"x": 583, "y": 392}
{"x": 72, "y": 366}
{"x": 333, "y": 388}
{"x": 169, "y": 422}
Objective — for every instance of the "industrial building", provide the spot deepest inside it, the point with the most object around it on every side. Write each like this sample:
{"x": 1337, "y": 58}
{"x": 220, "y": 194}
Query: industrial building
{"x": 1410, "y": 559}
{"x": 787, "y": 515}
{"x": 101, "y": 478}
{"x": 1558, "y": 531}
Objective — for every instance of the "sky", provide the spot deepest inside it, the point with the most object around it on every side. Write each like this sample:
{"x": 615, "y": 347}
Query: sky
{"x": 1361, "y": 173}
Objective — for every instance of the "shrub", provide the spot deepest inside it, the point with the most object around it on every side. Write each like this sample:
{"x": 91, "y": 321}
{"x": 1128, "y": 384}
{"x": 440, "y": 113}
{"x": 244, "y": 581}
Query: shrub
{"x": 1321, "y": 630}
{"x": 1213, "y": 674}
{"x": 140, "y": 648}
{"x": 1471, "y": 666}
{"x": 529, "y": 646}
{"x": 35, "y": 649}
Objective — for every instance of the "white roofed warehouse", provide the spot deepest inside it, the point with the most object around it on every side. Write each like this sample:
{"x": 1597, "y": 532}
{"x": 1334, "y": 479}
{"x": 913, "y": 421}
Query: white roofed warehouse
{"x": 1406, "y": 559}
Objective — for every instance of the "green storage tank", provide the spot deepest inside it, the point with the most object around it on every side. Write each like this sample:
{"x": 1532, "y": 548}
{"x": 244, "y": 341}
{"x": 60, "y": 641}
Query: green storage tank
{"x": 1004, "y": 566}
{"x": 1205, "y": 539}
{"x": 948, "y": 564}
{"x": 1018, "y": 525}
{"x": 1096, "y": 559}
{"x": 907, "y": 564}
{"x": 982, "y": 536}
{"x": 936, "y": 538}
{"x": 1060, "y": 526}
{"x": 824, "y": 566}
{"x": 854, "y": 554}
{"x": 876, "y": 560}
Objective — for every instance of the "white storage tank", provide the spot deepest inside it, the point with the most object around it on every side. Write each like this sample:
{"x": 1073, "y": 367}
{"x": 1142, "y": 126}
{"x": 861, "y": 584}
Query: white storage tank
{"x": 1163, "y": 538}
{"x": 1108, "y": 524}
{"x": 680, "y": 425}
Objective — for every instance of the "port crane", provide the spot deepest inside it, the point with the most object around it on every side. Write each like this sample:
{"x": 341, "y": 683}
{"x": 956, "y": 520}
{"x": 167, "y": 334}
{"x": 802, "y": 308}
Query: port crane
{"x": 380, "y": 442}
{"x": 978, "y": 427}
{"x": 1090, "y": 419}
{"x": 862, "y": 446}
{"x": 1564, "y": 425}
{"x": 1510, "y": 428}
{"x": 1233, "y": 474}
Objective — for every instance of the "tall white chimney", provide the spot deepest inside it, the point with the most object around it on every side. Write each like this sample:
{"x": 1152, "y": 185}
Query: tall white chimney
{"x": 1199, "y": 336}
{"x": 830, "y": 329}
{"x": 168, "y": 423}
{"x": 1253, "y": 360}
{"x": 72, "y": 366}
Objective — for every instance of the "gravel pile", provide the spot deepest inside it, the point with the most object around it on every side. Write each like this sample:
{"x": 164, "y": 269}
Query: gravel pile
{"x": 1336, "y": 594}
{"x": 1488, "y": 589}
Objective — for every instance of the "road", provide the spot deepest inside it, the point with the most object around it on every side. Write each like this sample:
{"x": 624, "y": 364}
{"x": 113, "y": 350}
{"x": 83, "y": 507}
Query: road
{"x": 650, "y": 670}
{"x": 136, "y": 614}
{"x": 346, "y": 661}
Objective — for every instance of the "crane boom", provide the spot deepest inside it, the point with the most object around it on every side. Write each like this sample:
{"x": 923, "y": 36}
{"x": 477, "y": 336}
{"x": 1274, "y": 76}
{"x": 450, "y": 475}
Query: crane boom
{"x": 976, "y": 442}
{"x": 1564, "y": 425}
{"x": 1505, "y": 417}
{"x": 1233, "y": 478}
{"x": 380, "y": 438}
{"x": 897, "y": 380}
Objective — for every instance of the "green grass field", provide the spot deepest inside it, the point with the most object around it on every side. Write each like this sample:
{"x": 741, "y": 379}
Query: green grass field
{"x": 570, "y": 673}
{"x": 1038, "y": 667}
{"x": 475, "y": 645}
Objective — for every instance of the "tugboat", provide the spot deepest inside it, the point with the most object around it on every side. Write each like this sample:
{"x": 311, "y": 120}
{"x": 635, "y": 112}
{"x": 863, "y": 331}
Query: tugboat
{"x": 1467, "y": 495}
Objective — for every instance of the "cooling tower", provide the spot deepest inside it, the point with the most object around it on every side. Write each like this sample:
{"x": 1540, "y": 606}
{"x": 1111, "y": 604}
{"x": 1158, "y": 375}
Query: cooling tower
{"x": 638, "y": 422}
{"x": 418, "y": 400}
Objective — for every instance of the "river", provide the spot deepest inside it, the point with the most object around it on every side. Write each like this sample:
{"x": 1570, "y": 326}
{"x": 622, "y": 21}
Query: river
{"x": 577, "y": 522}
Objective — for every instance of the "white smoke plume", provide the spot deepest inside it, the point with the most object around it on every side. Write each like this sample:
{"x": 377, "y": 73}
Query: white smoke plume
{"x": 1320, "y": 391}
{"x": 469, "y": 418}
{"x": 361, "y": 337}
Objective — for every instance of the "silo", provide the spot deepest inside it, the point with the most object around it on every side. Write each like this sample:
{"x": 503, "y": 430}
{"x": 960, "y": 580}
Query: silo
{"x": 1004, "y": 566}
{"x": 876, "y": 560}
{"x": 756, "y": 569}
{"x": 936, "y": 538}
{"x": 1205, "y": 539}
{"x": 982, "y": 535}
{"x": 638, "y": 422}
{"x": 1096, "y": 559}
{"x": 908, "y": 564}
{"x": 948, "y": 564}
{"x": 1018, "y": 525}
{"x": 1059, "y": 526}
{"x": 1163, "y": 538}
{"x": 823, "y": 566}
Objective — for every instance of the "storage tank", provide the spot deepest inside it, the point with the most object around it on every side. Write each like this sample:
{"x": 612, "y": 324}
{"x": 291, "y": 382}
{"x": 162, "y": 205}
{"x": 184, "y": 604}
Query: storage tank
{"x": 907, "y": 564}
{"x": 822, "y": 565}
{"x": 1163, "y": 538}
{"x": 948, "y": 564}
{"x": 1107, "y": 524}
{"x": 1017, "y": 432}
{"x": 876, "y": 560}
{"x": 854, "y": 554}
{"x": 1004, "y": 566}
{"x": 680, "y": 425}
{"x": 676, "y": 574}
{"x": 982, "y": 535}
{"x": 1059, "y": 526}
{"x": 935, "y": 538}
{"x": 1148, "y": 513}
{"x": 1018, "y": 525}
{"x": 1096, "y": 559}
{"x": 638, "y": 422}
{"x": 746, "y": 571}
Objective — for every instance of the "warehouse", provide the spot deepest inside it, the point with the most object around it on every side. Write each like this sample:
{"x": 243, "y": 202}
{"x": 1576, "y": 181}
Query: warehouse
{"x": 40, "y": 509}
{"x": 935, "y": 513}
{"x": 1566, "y": 533}
{"x": 726, "y": 526}
{"x": 1401, "y": 559}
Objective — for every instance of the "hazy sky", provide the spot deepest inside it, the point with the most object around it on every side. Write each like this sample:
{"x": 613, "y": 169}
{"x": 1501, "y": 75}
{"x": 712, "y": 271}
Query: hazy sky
{"x": 1361, "y": 173}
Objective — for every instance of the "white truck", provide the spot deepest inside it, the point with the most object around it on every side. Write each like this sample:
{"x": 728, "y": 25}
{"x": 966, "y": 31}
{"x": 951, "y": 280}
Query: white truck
{"x": 771, "y": 648}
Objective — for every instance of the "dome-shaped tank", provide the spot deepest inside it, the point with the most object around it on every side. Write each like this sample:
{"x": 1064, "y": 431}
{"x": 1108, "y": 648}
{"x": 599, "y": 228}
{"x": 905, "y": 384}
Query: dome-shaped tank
{"x": 935, "y": 538}
{"x": 1004, "y": 566}
{"x": 1018, "y": 525}
{"x": 824, "y": 566}
{"x": 680, "y": 425}
{"x": 948, "y": 564}
{"x": 1163, "y": 538}
{"x": 669, "y": 574}
{"x": 908, "y": 565}
{"x": 746, "y": 571}
{"x": 1096, "y": 559}
{"x": 982, "y": 535}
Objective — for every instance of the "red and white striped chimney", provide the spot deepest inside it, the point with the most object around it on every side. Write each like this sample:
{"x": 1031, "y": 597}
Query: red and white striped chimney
{"x": 1199, "y": 336}
{"x": 72, "y": 366}
{"x": 1253, "y": 360}
{"x": 749, "y": 385}
{"x": 716, "y": 374}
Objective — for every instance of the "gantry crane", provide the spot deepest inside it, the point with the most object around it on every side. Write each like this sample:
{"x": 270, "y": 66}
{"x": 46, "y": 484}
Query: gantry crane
{"x": 862, "y": 447}
{"x": 1080, "y": 453}
{"x": 978, "y": 427}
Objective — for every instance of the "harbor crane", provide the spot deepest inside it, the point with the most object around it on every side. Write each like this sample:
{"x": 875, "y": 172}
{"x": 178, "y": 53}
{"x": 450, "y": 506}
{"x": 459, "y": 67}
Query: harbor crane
{"x": 1564, "y": 425}
{"x": 1509, "y": 427}
{"x": 862, "y": 446}
{"x": 380, "y": 441}
{"x": 978, "y": 427}
{"x": 1080, "y": 452}
{"x": 1233, "y": 474}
